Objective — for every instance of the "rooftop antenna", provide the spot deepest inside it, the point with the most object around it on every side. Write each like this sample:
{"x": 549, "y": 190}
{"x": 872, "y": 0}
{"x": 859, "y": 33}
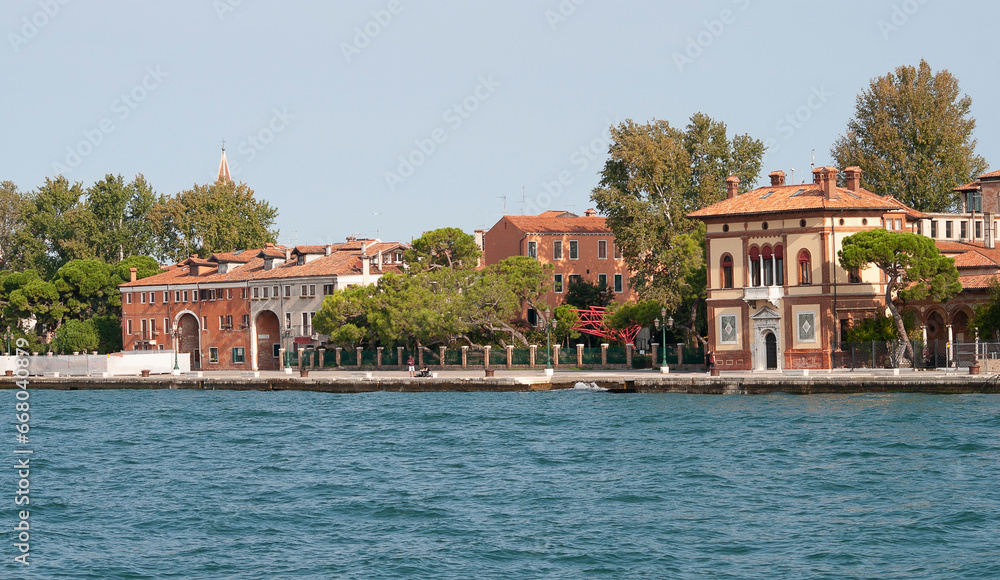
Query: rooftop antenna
{"x": 522, "y": 200}
{"x": 793, "y": 175}
{"x": 813, "y": 164}
{"x": 504, "y": 198}
{"x": 378, "y": 230}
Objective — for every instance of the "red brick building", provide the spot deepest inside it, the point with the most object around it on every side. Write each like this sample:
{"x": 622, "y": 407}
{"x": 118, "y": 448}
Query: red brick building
{"x": 237, "y": 310}
{"x": 777, "y": 296}
{"x": 577, "y": 247}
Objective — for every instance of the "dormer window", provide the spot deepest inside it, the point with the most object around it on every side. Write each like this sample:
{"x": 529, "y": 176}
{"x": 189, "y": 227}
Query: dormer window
{"x": 301, "y": 260}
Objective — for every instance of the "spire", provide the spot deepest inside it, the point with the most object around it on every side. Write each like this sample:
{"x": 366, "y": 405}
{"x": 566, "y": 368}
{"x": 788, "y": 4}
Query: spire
{"x": 224, "y": 174}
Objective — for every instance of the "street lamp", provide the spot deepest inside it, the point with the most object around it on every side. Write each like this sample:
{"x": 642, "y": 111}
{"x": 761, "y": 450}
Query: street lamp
{"x": 286, "y": 334}
{"x": 7, "y": 335}
{"x": 668, "y": 324}
{"x": 548, "y": 340}
{"x": 177, "y": 345}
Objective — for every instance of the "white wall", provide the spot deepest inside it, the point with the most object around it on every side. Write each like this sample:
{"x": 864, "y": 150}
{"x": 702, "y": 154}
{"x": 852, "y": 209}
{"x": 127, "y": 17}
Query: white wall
{"x": 127, "y": 363}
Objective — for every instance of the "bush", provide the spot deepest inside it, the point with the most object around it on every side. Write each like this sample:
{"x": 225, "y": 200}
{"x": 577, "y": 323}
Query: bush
{"x": 76, "y": 336}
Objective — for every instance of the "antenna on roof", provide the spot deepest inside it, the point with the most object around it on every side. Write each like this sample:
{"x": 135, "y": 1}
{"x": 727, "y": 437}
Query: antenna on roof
{"x": 378, "y": 230}
{"x": 504, "y": 198}
{"x": 792, "y": 180}
{"x": 522, "y": 200}
{"x": 813, "y": 164}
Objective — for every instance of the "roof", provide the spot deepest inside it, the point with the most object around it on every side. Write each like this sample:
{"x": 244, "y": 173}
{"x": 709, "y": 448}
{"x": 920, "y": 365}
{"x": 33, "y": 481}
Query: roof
{"x": 236, "y": 256}
{"x": 542, "y": 224}
{"x": 802, "y": 197}
{"x": 339, "y": 263}
{"x": 974, "y": 259}
{"x": 990, "y": 175}
{"x": 977, "y": 281}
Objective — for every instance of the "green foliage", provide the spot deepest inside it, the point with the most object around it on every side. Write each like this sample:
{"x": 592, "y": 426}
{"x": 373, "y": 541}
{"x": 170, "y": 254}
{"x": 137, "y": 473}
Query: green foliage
{"x": 27, "y": 295}
{"x": 642, "y": 313}
{"x": 443, "y": 248}
{"x": 566, "y": 319}
{"x": 11, "y": 204}
{"x": 986, "y": 319}
{"x": 220, "y": 217}
{"x": 118, "y": 218}
{"x": 879, "y": 329}
{"x": 912, "y": 264}
{"x": 109, "y": 333}
{"x": 53, "y": 228}
{"x": 912, "y": 136}
{"x": 584, "y": 294}
{"x": 145, "y": 266}
{"x": 655, "y": 176}
{"x": 87, "y": 288}
{"x": 76, "y": 336}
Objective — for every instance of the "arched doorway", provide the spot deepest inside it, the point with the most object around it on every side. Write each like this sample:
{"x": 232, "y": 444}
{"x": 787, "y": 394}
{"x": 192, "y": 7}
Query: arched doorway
{"x": 268, "y": 339}
{"x": 935, "y": 327}
{"x": 960, "y": 327}
{"x": 771, "y": 351}
{"x": 189, "y": 340}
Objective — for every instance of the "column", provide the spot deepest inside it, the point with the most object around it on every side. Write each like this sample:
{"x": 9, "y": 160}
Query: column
{"x": 441, "y": 350}
{"x": 579, "y": 355}
{"x": 656, "y": 359}
{"x": 321, "y": 358}
{"x": 420, "y": 357}
{"x": 486, "y": 356}
{"x": 555, "y": 355}
{"x": 399, "y": 356}
{"x": 378, "y": 356}
{"x": 531, "y": 361}
{"x": 358, "y": 352}
{"x": 336, "y": 356}
{"x": 950, "y": 346}
{"x": 465, "y": 357}
{"x": 680, "y": 353}
{"x": 604, "y": 354}
{"x": 628, "y": 356}
{"x": 281, "y": 357}
{"x": 510, "y": 356}
{"x": 302, "y": 358}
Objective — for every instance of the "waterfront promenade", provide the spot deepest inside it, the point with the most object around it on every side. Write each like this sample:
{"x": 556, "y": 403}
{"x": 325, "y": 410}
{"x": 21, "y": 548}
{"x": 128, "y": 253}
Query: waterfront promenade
{"x": 616, "y": 381}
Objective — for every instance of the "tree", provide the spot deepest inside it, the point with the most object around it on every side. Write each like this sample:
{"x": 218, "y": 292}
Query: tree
{"x": 986, "y": 319}
{"x": 443, "y": 248}
{"x": 11, "y": 203}
{"x": 567, "y": 319}
{"x": 220, "y": 217}
{"x": 914, "y": 270}
{"x": 583, "y": 294}
{"x": 655, "y": 176}
{"x": 76, "y": 336}
{"x": 87, "y": 288}
{"x": 911, "y": 134}
{"x": 54, "y": 227}
{"x": 119, "y": 225}
{"x": 145, "y": 266}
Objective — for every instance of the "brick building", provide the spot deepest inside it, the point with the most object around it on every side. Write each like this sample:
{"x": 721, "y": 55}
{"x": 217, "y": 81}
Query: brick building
{"x": 237, "y": 310}
{"x": 777, "y": 296}
{"x": 577, "y": 247}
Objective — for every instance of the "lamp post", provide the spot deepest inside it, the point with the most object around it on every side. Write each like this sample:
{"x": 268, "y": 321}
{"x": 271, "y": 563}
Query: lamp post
{"x": 669, "y": 323}
{"x": 286, "y": 334}
{"x": 548, "y": 340}
{"x": 7, "y": 336}
{"x": 177, "y": 345}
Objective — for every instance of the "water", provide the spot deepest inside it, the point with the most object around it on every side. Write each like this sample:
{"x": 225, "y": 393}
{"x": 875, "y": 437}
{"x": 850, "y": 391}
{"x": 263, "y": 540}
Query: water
{"x": 572, "y": 484}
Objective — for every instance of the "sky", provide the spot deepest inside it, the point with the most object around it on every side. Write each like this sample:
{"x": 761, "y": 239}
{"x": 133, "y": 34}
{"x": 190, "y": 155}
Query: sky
{"x": 389, "y": 118}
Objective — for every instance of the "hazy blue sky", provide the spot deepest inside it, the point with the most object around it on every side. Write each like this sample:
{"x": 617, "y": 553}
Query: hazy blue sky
{"x": 317, "y": 114}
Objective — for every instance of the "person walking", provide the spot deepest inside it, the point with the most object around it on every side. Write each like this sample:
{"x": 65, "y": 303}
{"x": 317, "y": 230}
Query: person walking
{"x": 409, "y": 363}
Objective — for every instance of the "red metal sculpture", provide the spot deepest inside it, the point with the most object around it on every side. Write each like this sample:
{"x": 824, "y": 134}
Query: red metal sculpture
{"x": 591, "y": 321}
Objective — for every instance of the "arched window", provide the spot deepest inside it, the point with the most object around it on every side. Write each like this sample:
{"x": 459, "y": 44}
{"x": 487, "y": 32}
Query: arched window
{"x": 805, "y": 268}
{"x": 779, "y": 266}
{"x": 767, "y": 260}
{"x": 727, "y": 271}
{"x": 754, "y": 266}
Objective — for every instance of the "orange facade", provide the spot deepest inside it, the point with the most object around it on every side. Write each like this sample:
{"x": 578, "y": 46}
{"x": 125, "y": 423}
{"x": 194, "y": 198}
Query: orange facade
{"x": 575, "y": 247}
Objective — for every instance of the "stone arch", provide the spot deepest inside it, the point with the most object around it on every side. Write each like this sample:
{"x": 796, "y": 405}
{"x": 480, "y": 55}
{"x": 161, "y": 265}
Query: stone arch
{"x": 960, "y": 324}
{"x": 936, "y": 325}
{"x": 189, "y": 339}
{"x": 267, "y": 334}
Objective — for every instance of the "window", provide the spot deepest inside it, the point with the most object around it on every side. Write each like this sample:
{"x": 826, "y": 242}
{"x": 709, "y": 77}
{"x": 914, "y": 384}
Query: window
{"x": 267, "y": 292}
{"x": 152, "y": 325}
{"x": 807, "y": 326}
{"x": 229, "y": 321}
{"x": 618, "y": 284}
{"x": 573, "y": 279}
{"x": 558, "y": 284}
{"x": 152, "y": 297}
{"x": 805, "y": 268}
{"x": 145, "y": 328}
{"x": 947, "y": 229}
{"x": 532, "y": 249}
{"x": 194, "y": 296}
{"x": 276, "y": 350}
{"x": 312, "y": 289}
{"x": 256, "y": 293}
{"x": 727, "y": 329}
{"x": 128, "y": 326}
{"x": 166, "y": 296}
{"x": 854, "y": 276}
{"x": 979, "y": 230}
{"x": 166, "y": 325}
{"x": 727, "y": 271}
{"x": 185, "y": 296}
{"x": 243, "y": 293}
{"x": 303, "y": 291}
{"x": 974, "y": 202}
{"x": 288, "y": 291}
{"x": 327, "y": 289}
{"x": 301, "y": 260}
{"x": 933, "y": 228}
{"x": 222, "y": 322}
{"x": 754, "y": 266}
{"x": 767, "y": 261}
{"x": 532, "y": 317}
{"x": 177, "y": 295}
{"x": 574, "y": 250}
{"x": 288, "y": 320}
{"x": 142, "y": 297}
{"x": 306, "y": 323}
{"x": 963, "y": 228}
{"x": 229, "y": 293}
{"x": 246, "y": 321}
{"x": 128, "y": 298}
{"x": 557, "y": 250}
{"x": 602, "y": 280}
{"x": 213, "y": 354}
{"x": 779, "y": 266}
{"x": 275, "y": 292}
{"x": 204, "y": 322}
{"x": 602, "y": 250}
{"x": 618, "y": 251}
{"x": 238, "y": 354}
{"x": 899, "y": 224}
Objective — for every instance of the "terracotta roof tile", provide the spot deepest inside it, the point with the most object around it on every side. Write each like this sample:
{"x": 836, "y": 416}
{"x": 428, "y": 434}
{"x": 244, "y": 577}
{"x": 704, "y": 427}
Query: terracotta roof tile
{"x": 237, "y": 256}
{"x": 990, "y": 175}
{"x": 971, "y": 186}
{"x": 973, "y": 259}
{"x": 977, "y": 281}
{"x": 538, "y": 224}
{"x": 801, "y": 197}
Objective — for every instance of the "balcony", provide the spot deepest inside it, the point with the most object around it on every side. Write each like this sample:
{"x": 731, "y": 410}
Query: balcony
{"x": 769, "y": 293}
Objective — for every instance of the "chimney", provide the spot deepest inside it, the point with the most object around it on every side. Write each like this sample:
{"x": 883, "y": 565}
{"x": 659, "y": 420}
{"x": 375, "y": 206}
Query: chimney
{"x": 133, "y": 274}
{"x": 288, "y": 254}
{"x": 365, "y": 266}
{"x": 732, "y": 186}
{"x": 590, "y": 212}
{"x": 328, "y": 249}
{"x": 853, "y": 176}
{"x": 826, "y": 179}
{"x": 378, "y": 261}
{"x": 777, "y": 178}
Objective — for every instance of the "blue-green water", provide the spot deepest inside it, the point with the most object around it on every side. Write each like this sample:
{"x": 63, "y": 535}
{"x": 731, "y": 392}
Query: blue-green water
{"x": 195, "y": 484}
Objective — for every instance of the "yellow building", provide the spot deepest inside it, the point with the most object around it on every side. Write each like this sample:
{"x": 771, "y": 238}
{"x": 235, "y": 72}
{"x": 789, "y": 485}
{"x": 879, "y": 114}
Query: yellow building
{"x": 777, "y": 296}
